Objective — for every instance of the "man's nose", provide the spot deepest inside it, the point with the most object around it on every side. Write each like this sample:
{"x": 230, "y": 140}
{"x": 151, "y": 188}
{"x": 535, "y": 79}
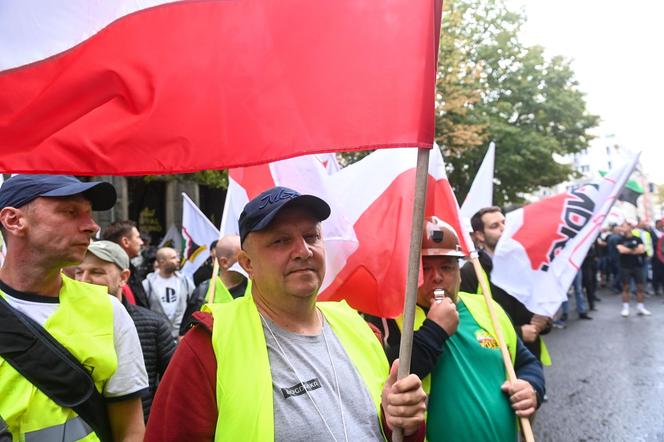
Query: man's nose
{"x": 89, "y": 225}
{"x": 85, "y": 276}
{"x": 437, "y": 275}
{"x": 302, "y": 249}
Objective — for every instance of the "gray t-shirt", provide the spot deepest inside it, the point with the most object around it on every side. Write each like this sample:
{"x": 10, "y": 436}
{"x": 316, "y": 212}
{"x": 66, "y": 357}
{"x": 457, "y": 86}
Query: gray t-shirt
{"x": 295, "y": 416}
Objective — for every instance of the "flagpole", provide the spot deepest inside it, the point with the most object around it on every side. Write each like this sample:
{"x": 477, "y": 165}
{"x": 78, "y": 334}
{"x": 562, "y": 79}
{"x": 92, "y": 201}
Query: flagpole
{"x": 507, "y": 360}
{"x": 406, "y": 346}
{"x": 213, "y": 279}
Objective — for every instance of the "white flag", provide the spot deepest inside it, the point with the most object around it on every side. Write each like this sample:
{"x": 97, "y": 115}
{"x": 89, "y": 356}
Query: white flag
{"x": 480, "y": 194}
{"x": 545, "y": 243}
{"x": 173, "y": 238}
{"x": 198, "y": 232}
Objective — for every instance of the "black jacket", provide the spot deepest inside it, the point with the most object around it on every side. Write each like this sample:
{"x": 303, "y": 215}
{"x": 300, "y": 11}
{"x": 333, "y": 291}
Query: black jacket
{"x": 517, "y": 312}
{"x": 136, "y": 286}
{"x": 157, "y": 344}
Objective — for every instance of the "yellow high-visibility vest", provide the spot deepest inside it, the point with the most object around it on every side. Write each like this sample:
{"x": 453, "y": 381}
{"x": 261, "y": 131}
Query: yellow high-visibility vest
{"x": 83, "y": 324}
{"x": 244, "y": 380}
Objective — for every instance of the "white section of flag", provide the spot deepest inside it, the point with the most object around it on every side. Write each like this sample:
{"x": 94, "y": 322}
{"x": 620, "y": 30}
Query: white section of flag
{"x": 38, "y": 29}
{"x": 173, "y": 235}
{"x": 480, "y": 194}
{"x": 198, "y": 232}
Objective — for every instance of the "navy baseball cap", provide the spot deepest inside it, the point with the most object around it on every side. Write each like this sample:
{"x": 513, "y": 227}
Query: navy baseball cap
{"x": 260, "y": 211}
{"x": 19, "y": 190}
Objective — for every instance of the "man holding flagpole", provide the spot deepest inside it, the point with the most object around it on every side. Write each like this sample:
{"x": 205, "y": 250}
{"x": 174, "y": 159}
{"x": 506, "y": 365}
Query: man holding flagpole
{"x": 488, "y": 225}
{"x": 456, "y": 353}
{"x": 278, "y": 365}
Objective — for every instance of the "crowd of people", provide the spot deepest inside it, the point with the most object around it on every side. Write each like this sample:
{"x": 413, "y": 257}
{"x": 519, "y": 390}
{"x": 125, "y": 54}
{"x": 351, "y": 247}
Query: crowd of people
{"x": 628, "y": 259}
{"x": 257, "y": 357}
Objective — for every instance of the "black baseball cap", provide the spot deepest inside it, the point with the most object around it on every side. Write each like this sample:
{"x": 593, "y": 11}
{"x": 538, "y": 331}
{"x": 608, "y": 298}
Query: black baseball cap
{"x": 260, "y": 211}
{"x": 19, "y": 190}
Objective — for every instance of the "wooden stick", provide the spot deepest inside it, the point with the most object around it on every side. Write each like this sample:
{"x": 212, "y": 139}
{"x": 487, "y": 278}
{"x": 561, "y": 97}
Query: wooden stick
{"x": 406, "y": 346}
{"x": 213, "y": 280}
{"x": 507, "y": 360}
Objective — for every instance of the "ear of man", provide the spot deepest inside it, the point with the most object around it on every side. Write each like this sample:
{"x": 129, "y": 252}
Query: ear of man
{"x": 124, "y": 277}
{"x": 245, "y": 261}
{"x": 13, "y": 220}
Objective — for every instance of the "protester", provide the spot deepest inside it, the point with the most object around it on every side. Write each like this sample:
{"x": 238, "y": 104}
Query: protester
{"x": 488, "y": 225}
{"x": 469, "y": 398}
{"x": 658, "y": 260}
{"x": 642, "y": 231}
{"x": 589, "y": 269}
{"x": 631, "y": 250}
{"x": 77, "y": 337}
{"x": 204, "y": 272}
{"x": 229, "y": 285}
{"x": 107, "y": 264}
{"x": 614, "y": 257}
{"x": 127, "y": 236}
{"x": 168, "y": 290}
{"x": 277, "y": 365}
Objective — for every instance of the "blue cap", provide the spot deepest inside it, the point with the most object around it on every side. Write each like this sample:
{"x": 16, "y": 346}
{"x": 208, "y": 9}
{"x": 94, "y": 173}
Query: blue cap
{"x": 260, "y": 211}
{"x": 19, "y": 190}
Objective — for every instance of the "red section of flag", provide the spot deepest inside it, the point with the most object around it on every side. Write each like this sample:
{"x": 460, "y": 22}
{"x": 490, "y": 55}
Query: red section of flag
{"x": 374, "y": 278}
{"x": 254, "y": 179}
{"x": 217, "y": 84}
{"x": 541, "y": 229}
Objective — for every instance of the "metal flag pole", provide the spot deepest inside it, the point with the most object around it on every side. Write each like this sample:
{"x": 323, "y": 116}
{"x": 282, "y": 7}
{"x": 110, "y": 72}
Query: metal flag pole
{"x": 406, "y": 346}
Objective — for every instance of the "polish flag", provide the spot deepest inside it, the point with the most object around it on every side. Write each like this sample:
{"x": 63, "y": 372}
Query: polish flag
{"x": 367, "y": 236}
{"x": 132, "y": 87}
{"x": 545, "y": 243}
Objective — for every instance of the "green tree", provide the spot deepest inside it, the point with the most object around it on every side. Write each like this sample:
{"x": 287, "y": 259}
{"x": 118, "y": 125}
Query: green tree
{"x": 530, "y": 106}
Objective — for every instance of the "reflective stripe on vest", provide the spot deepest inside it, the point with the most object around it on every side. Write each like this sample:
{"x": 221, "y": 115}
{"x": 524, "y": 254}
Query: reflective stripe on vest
{"x": 244, "y": 380}
{"x": 71, "y": 431}
{"x": 221, "y": 293}
{"x": 83, "y": 324}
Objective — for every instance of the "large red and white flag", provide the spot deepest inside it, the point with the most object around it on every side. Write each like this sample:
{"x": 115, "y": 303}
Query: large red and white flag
{"x": 544, "y": 243}
{"x": 306, "y": 174}
{"x": 367, "y": 236}
{"x": 134, "y": 87}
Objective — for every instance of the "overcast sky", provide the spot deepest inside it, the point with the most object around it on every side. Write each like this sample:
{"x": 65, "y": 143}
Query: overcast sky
{"x": 618, "y": 57}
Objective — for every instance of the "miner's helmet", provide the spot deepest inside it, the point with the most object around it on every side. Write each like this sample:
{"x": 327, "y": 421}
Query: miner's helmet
{"x": 440, "y": 239}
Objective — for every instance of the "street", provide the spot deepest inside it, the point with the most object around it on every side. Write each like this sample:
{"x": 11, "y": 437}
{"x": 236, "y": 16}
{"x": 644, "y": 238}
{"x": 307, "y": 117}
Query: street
{"x": 606, "y": 382}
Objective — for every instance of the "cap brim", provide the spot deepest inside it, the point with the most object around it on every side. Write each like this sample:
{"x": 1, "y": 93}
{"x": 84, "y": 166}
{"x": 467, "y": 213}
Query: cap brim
{"x": 314, "y": 205}
{"x": 102, "y": 195}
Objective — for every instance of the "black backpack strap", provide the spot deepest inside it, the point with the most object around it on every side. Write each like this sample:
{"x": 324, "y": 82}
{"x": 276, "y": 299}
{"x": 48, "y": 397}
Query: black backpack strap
{"x": 5, "y": 435}
{"x": 50, "y": 367}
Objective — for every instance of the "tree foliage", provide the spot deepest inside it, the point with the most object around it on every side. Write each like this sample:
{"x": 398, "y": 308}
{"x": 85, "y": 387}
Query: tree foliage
{"x": 493, "y": 87}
